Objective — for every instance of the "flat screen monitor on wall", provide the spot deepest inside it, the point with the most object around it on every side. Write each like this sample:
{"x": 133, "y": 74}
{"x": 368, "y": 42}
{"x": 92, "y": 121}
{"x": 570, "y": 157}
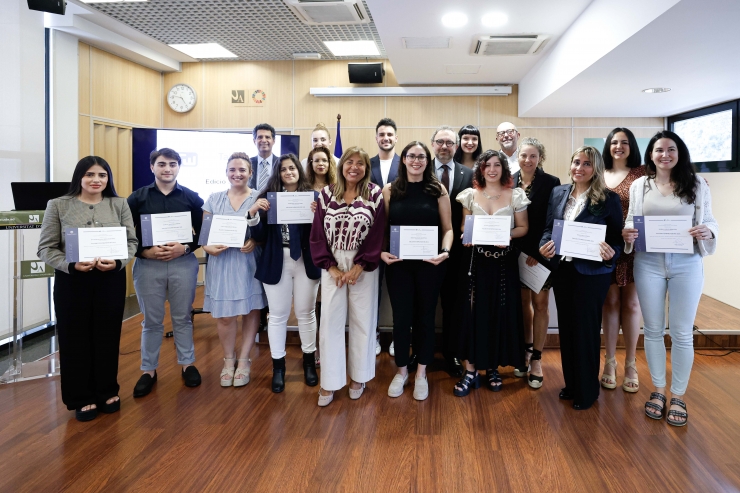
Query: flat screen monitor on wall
{"x": 711, "y": 136}
{"x": 203, "y": 154}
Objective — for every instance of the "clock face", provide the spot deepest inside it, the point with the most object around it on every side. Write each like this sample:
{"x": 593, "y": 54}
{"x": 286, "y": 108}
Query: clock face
{"x": 181, "y": 98}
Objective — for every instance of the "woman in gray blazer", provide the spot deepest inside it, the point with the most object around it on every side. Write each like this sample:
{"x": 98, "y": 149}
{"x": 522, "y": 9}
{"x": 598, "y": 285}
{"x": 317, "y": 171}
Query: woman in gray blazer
{"x": 88, "y": 296}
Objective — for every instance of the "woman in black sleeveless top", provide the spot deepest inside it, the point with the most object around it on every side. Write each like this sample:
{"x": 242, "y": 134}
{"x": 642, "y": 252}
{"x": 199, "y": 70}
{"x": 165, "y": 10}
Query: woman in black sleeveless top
{"x": 416, "y": 198}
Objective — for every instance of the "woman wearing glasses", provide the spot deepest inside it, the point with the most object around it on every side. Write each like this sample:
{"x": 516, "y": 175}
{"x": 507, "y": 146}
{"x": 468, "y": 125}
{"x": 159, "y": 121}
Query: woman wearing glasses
{"x": 581, "y": 285}
{"x": 416, "y": 198}
{"x": 470, "y": 146}
{"x": 346, "y": 240}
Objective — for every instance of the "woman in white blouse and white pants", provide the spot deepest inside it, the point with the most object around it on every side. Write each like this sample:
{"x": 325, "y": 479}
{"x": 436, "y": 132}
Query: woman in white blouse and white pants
{"x": 671, "y": 188}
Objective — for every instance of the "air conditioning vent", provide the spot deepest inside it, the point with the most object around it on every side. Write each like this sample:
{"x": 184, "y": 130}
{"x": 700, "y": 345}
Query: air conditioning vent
{"x": 329, "y": 11}
{"x": 527, "y": 44}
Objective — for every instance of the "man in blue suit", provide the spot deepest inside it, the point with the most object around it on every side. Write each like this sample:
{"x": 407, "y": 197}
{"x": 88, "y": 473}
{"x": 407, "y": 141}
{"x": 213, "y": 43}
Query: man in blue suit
{"x": 383, "y": 170}
{"x": 264, "y": 139}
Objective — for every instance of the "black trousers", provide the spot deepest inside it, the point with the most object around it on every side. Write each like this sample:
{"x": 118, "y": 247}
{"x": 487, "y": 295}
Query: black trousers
{"x": 89, "y": 309}
{"x": 579, "y": 300}
{"x": 449, "y": 296}
{"x": 413, "y": 288}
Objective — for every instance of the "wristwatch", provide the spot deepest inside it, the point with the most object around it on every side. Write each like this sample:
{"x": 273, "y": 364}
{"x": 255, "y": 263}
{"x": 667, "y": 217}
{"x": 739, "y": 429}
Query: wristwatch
{"x": 445, "y": 250}
{"x": 187, "y": 249}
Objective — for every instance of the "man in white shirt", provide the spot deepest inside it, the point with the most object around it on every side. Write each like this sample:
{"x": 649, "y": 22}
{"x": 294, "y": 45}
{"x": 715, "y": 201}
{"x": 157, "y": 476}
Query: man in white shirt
{"x": 383, "y": 170}
{"x": 508, "y": 138}
{"x": 320, "y": 136}
{"x": 264, "y": 139}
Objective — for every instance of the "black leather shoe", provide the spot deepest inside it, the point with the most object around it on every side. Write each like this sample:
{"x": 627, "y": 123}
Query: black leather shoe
{"x": 113, "y": 407}
{"x": 309, "y": 369}
{"x": 145, "y": 384}
{"x": 88, "y": 415}
{"x": 565, "y": 395}
{"x": 413, "y": 362}
{"x": 278, "y": 380}
{"x": 454, "y": 367}
{"x": 191, "y": 376}
{"x": 582, "y": 407}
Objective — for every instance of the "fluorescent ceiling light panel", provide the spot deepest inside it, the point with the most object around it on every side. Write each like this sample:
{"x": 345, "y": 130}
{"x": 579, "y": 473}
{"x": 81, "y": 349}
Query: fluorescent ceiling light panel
{"x": 494, "y": 19}
{"x": 204, "y": 50}
{"x": 352, "y": 48}
{"x": 454, "y": 19}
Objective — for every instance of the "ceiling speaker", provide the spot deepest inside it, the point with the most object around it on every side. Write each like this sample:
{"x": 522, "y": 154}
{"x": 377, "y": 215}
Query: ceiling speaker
{"x": 366, "y": 73}
{"x": 51, "y": 6}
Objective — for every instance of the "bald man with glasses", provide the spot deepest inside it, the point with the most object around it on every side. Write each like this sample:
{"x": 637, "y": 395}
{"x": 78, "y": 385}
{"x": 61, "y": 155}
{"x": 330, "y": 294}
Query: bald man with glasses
{"x": 508, "y": 138}
{"x": 455, "y": 178}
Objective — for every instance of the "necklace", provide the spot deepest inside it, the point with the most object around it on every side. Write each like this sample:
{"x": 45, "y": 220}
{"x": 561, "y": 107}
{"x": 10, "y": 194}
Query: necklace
{"x": 495, "y": 197}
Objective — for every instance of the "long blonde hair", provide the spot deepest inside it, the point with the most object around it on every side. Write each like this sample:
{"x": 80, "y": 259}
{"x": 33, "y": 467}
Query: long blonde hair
{"x": 597, "y": 191}
{"x": 362, "y": 188}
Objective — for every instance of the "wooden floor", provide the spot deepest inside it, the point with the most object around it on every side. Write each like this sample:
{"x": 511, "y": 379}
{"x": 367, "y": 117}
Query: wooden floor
{"x": 249, "y": 439}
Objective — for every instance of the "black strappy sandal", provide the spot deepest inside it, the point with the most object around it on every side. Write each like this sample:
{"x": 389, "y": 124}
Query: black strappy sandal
{"x": 471, "y": 380}
{"x": 678, "y": 414}
{"x": 535, "y": 381}
{"x": 522, "y": 372}
{"x": 655, "y": 407}
{"x": 494, "y": 381}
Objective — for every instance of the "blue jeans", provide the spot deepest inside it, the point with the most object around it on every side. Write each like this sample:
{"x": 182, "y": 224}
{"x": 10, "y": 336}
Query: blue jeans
{"x": 681, "y": 276}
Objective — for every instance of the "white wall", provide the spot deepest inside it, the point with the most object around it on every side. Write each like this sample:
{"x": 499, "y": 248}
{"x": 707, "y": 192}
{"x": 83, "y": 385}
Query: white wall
{"x": 65, "y": 107}
{"x": 22, "y": 155}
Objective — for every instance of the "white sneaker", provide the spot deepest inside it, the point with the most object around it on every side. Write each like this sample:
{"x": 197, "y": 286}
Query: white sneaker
{"x": 421, "y": 388}
{"x": 377, "y": 344}
{"x": 397, "y": 384}
{"x": 392, "y": 350}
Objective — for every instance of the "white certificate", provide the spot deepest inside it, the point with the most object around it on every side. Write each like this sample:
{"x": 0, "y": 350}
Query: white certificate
{"x": 104, "y": 243}
{"x": 294, "y": 207}
{"x": 230, "y": 231}
{"x": 669, "y": 234}
{"x": 492, "y": 230}
{"x": 532, "y": 277}
{"x": 171, "y": 227}
{"x": 418, "y": 242}
{"x": 581, "y": 240}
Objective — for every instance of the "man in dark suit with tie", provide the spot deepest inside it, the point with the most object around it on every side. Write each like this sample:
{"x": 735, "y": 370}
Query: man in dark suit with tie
{"x": 264, "y": 139}
{"x": 455, "y": 178}
{"x": 383, "y": 170}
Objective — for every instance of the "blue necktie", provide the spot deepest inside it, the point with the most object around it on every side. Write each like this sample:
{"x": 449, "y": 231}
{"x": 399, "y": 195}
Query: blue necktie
{"x": 295, "y": 241}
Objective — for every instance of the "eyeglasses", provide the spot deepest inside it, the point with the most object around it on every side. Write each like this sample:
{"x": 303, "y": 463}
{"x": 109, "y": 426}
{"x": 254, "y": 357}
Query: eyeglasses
{"x": 411, "y": 158}
{"x": 443, "y": 143}
{"x": 509, "y": 132}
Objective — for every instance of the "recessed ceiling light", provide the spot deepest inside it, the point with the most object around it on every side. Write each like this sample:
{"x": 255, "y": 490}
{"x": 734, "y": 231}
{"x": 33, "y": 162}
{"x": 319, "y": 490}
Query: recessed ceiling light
{"x": 454, "y": 19}
{"x": 307, "y": 56}
{"x": 352, "y": 48}
{"x": 655, "y": 90}
{"x": 204, "y": 50}
{"x": 494, "y": 19}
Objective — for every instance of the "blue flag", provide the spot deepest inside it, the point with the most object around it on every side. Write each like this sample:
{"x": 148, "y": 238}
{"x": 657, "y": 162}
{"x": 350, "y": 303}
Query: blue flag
{"x": 338, "y": 142}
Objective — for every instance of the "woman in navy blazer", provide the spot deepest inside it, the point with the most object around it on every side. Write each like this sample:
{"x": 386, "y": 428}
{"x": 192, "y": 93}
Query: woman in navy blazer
{"x": 581, "y": 285}
{"x": 287, "y": 272}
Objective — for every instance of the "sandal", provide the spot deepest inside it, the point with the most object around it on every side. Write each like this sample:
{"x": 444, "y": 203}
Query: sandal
{"x": 471, "y": 380}
{"x": 655, "y": 407}
{"x": 609, "y": 381}
{"x": 227, "y": 372}
{"x": 522, "y": 371}
{"x": 677, "y": 414}
{"x": 241, "y": 376}
{"x": 625, "y": 384}
{"x": 535, "y": 381}
{"x": 494, "y": 381}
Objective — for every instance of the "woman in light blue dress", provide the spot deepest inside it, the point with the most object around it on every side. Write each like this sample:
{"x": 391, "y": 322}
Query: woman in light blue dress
{"x": 231, "y": 289}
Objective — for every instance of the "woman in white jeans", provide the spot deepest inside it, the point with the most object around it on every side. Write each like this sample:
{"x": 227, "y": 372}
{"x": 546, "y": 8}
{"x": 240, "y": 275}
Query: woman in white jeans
{"x": 287, "y": 272}
{"x": 346, "y": 240}
{"x": 671, "y": 188}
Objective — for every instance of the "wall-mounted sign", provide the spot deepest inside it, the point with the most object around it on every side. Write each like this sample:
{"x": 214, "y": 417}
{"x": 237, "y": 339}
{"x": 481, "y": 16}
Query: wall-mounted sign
{"x": 248, "y": 97}
{"x": 34, "y": 269}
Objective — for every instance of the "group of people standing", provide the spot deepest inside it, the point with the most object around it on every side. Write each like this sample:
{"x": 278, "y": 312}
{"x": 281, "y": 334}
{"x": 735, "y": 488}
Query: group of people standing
{"x": 330, "y": 271}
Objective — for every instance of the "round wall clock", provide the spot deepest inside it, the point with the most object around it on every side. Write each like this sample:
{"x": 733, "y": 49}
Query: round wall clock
{"x": 181, "y": 98}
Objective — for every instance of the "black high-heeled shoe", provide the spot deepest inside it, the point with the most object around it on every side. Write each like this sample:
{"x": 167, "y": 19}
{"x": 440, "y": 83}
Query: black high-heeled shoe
{"x": 113, "y": 407}
{"x": 309, "y": 369}
{"x": 471, "y": 380}
{"x": 278, "y": 375}
{"x": 494, "y": 380}
{"x": 88, "y": 415}
{"x": 521, "y": 372}
{"x": 535, "y": 381}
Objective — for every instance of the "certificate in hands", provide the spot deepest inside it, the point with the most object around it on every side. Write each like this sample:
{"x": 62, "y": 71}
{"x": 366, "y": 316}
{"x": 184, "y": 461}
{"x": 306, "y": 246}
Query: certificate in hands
{"x": 230, "y": 231}
{"x": 666, "y": 234}
{"x": 532, "y": 277}
{"x": 290, "y": 207}
{"x": 414, "y": 242}
{"x": 487, "y": 230}
{"x": 579, "y": 240}
{"x": 160, "y": 229}
{"x": 86, "y": 244}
